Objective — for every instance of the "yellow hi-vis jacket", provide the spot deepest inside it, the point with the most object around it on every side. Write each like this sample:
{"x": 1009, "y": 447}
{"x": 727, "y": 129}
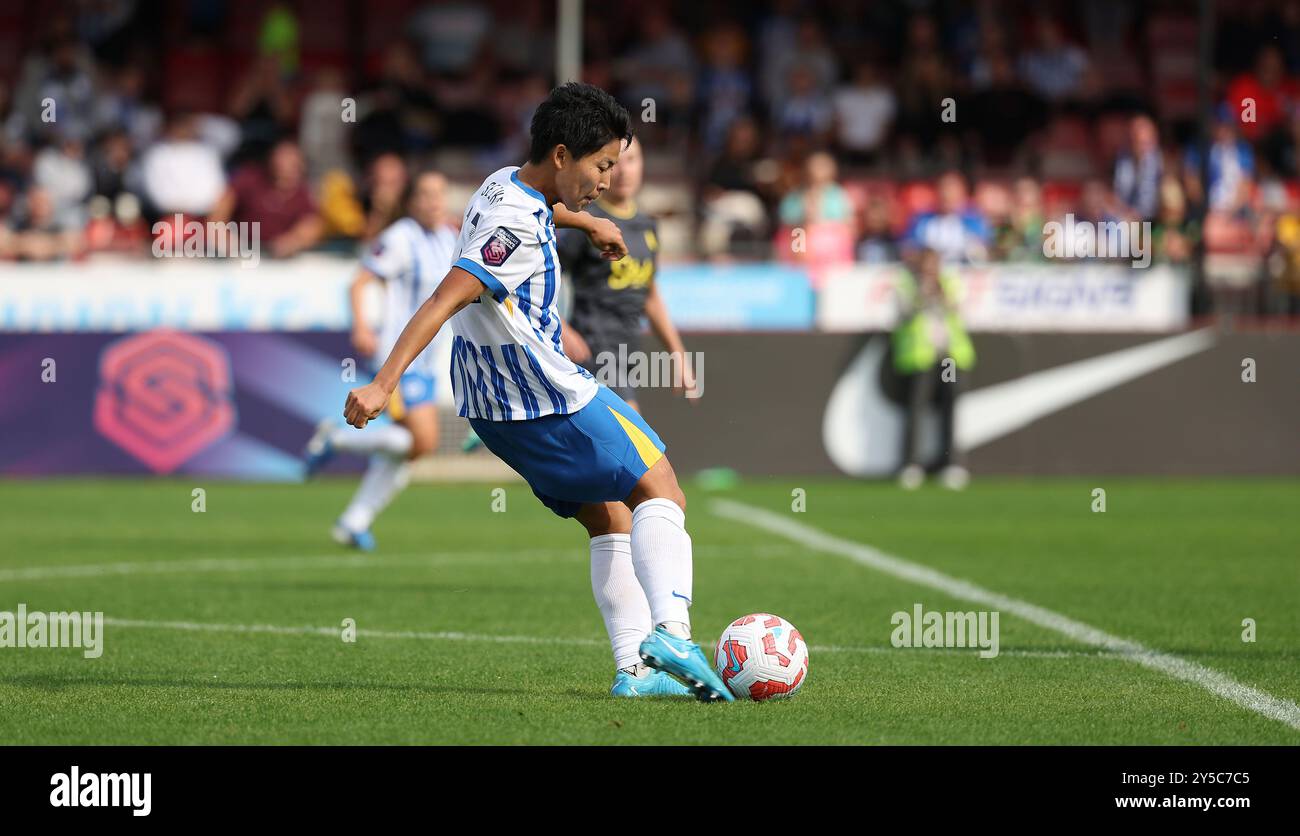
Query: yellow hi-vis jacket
{"x": 914, "y": 350}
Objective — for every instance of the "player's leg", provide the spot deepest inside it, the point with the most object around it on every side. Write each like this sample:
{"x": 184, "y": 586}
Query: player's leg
{"x": 662, "y": 559}
{"x": 601, "y": 454}
{"x": 621, "y": 601}
{"x": 388, "y": 473}
{"x": 333, "y": 437}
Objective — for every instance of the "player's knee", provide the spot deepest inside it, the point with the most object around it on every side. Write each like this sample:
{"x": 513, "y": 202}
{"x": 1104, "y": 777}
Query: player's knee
{"x": 421, "y": 444}
{"x": 605, "y": 518}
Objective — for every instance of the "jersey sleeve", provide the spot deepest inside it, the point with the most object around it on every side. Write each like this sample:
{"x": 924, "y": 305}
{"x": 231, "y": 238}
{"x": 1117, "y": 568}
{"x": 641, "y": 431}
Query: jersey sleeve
{"x": 502, "y": 252}
{"x": 389, "y": 256}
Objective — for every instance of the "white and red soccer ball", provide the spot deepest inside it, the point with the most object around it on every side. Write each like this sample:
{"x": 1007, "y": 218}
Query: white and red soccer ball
{"x": 761, "y": 657}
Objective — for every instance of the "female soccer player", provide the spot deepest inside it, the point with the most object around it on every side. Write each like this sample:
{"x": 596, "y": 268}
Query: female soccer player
{"x": 585, "y": 452}
{"x": 409, "y": 258}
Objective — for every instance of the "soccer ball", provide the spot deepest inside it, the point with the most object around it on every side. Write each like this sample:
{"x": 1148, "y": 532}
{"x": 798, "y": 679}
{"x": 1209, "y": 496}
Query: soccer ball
{"x": 761, "y": 657}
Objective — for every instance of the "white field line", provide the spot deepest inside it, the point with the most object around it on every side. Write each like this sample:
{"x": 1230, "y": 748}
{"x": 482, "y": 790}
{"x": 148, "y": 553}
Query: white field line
{"x": 334, "y": 560}
{"x": 245, "y": 564}
{"x": 452, "y": 636}
{"x": 1216, "y": 682}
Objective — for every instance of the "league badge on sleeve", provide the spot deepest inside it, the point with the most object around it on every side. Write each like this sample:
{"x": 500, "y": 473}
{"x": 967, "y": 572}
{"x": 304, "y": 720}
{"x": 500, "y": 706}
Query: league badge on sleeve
{"x": 499, "y": 247}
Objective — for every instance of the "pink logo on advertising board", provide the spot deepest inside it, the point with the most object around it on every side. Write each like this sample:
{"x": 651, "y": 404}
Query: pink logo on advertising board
{"x": 164, "y": 396}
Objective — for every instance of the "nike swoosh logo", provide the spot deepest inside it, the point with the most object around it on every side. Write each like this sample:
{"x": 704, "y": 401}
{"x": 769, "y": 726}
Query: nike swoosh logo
{"x": 674, "y": 650}
{"x": 862, "y": 429}
{"x": 993, "y": 411}
{"x": 677, "y": 594}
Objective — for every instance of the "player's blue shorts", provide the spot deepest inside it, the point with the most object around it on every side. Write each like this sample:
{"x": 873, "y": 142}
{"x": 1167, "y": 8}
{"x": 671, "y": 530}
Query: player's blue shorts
{"x": 414, "y": 389}
{"x": 596, "y": 454}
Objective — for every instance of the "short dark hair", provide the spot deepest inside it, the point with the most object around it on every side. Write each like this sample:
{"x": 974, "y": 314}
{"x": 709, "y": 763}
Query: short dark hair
{"x": 581, "y": 117}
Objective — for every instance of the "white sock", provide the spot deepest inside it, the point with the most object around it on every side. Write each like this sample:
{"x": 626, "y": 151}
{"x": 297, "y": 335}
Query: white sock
{"x": 661, "y": 555}
{"x": 383, "y": 480}
{"x": 619, "y": 596}
{"x": 390, "y": 439}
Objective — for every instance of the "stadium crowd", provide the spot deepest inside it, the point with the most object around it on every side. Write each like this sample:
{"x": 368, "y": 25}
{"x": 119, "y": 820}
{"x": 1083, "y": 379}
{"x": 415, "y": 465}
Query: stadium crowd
{"x": 864, "y": 128}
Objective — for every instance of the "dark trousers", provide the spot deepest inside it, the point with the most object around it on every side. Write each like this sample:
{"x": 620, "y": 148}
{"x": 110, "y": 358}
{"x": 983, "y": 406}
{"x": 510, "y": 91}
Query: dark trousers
{"x": 920, "y": 390}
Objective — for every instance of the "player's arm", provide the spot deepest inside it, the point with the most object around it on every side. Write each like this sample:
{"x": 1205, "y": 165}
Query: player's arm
{"x": 456, "y": 291}
{"x": 603, "y": 233}
{"x": 656, "y": 313}
{"x": 363, "y": 336}
{"x": 574, "y": 344}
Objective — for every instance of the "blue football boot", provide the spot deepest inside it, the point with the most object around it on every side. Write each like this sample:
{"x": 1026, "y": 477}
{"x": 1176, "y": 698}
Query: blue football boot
{"x": 683, "y": 660}
{"x": 359, "y": 540}
{"x": 652, "y": 683}
{"x": 319, "y": 450}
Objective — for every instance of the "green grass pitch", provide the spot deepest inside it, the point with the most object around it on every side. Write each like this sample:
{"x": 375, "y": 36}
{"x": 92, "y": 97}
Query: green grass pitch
{"x": 478, "y": 626}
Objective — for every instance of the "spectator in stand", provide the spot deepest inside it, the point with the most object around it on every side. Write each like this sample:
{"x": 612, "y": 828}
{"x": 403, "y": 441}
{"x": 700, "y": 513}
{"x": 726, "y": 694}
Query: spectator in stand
{"x": 450, "y": 35}
{"x": 1174, "y": 235}
{"x": 1261, "y": 100}
{"x": 123, "y": 107}
{"x": 179, "y": 173}
{"x": 321, "y": 125}
{"x": 736, "y": 168}
{"x": 925, "y": 85}
{"x": 992, "y": 45}
{"x": 1138, "y": 171}
{"x": 111, "y": 164}
{"x": 1054, "y": 68}
{"x": 35, "y": 232}
{"x": 1231, "y": 170}
{"x": 1021, "y": 238}
{"x": 55, "y": 92}
{"x": 725, "y": 92}
{"x": 659, "y": 67}
{"x": 824, "y": 213}
{"x": 877, "y": 245}
{"x": 1284, "y": 265}
{"x": 805, "y": 112}
{"x": 809, "y": 51}
{"x": 1003, "y": 113}
{"x": 398, "y": 113}
{"x": 1098, "y": 206}
{"x": 263, "y": 105}
{"x": 62, "y": 174}
{"x": 821, "y": 200}
{"x": 956, "y": 230}
{"x": 524, "y": 41}
{"x": 731, "y": 207}
{"x": 275, "y": 196}
{"x": 863, "y": 112}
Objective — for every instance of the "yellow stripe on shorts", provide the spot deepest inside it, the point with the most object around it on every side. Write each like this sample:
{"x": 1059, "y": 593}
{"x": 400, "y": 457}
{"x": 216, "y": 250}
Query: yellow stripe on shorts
{"x": 396, "y": 406}
{"x": 644, "y": 446}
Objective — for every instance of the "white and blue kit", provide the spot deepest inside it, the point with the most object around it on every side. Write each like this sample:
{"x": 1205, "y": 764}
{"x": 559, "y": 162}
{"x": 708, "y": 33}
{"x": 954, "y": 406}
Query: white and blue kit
{"x": 571, "y": 438}
{"x": 412, "y": 261}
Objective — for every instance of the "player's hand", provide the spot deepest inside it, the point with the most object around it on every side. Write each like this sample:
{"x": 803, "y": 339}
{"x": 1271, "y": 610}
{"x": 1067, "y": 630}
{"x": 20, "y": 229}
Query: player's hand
{"x": 575, "y": 347}
{"x": 363, "y": 340}
{"x": 365, "y": 403}
{"x": 687, "y": 389}
{"x": 605, "y": 236}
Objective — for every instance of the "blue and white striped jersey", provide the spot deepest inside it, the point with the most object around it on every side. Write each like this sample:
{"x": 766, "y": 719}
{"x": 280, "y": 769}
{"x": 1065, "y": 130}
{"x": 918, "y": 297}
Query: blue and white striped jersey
{"x": 412, "y": 261}
{"x": 506, "y": 359}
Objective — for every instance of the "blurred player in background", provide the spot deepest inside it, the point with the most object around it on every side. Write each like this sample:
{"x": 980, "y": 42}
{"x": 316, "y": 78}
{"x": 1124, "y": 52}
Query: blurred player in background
{"x": 610, "y": 297}
{"x": 586, "y": 454}
{"x": 409, "y": 258}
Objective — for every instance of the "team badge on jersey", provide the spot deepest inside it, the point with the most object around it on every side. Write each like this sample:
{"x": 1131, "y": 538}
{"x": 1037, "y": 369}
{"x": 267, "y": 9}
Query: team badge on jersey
{"x": 499, "y": 247}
